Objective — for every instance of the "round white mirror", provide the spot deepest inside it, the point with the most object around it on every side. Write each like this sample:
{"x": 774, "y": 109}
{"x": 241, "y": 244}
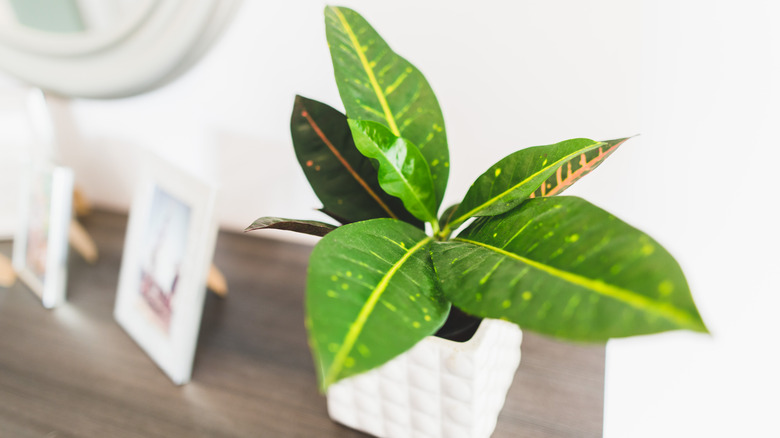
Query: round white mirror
{"x": 106, "y": 48}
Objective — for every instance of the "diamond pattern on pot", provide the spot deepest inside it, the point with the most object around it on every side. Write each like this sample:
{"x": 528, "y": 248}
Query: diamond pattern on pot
{"x": 438, "y": 389}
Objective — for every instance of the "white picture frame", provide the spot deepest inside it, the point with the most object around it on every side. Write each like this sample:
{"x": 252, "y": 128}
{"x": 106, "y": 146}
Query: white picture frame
{"x": 40, "y": 251}
{"x": 169, "y": 245}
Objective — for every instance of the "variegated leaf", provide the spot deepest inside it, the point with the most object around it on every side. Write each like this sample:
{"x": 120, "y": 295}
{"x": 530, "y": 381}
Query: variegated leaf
{"x": 371, "y": 294}
{"x": 402, "y": 170}
{"x": 513, "y": 178}
{"x": 576, "y": 168}
{"x": 564, "y": 267}
{"x": 378, "y": 85}
{"x": 342, "y": 177}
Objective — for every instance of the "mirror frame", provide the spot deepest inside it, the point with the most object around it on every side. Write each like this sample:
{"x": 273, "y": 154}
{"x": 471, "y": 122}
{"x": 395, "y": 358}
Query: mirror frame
{"x": 156, "y": 44}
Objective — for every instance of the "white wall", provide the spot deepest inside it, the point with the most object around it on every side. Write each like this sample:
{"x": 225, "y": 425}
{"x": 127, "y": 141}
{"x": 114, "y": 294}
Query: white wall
{"x": 709, "y": 190}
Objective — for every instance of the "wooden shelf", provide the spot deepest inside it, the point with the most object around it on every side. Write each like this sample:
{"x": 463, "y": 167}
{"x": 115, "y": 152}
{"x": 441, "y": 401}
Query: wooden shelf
{"x": 73, "y": 372}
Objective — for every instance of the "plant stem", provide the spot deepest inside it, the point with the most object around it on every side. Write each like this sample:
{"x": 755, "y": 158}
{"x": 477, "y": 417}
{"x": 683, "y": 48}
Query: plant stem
{"x": 435, "y": 227}
{"x": 444, "y": 234}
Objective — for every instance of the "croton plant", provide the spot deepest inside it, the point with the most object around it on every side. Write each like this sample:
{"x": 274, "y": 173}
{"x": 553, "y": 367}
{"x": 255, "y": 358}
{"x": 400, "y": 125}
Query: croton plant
{"x": 379, "y": 283}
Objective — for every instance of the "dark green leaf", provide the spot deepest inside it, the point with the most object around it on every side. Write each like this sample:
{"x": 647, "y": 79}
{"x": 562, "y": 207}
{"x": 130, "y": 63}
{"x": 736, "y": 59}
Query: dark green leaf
{"x": 576, "y": 168}
{"x": 564, "y": 267}
{"x": 447, "y": 216}
{"x": 314, "y": 228}
{"x": 376, "y": 84}
{"x": 334, "y": 216}
{"x": 343, "y": 179}
{"x": 513, "y": 178}
{"x": 371, "y": 295}
{"x": 402, "y": 170}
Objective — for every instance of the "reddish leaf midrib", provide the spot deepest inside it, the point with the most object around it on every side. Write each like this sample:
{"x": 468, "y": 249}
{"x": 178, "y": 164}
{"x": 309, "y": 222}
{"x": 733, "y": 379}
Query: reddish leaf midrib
{"x": 586, "y": 167}
{"x": 346, "y": 165}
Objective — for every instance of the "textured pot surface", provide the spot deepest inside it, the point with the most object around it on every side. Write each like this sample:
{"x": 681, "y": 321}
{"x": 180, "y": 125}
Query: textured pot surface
{"x": 437, "y": 389}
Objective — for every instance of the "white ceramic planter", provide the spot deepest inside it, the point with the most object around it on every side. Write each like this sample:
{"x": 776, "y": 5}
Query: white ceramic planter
{"x": 437, "y": 389}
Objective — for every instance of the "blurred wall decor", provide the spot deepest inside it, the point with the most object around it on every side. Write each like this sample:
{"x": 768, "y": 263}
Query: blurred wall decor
{"x": 106, "y": 48}
{"x": 14, "y": 144}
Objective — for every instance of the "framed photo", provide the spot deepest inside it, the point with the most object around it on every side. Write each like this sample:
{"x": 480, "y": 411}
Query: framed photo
{"x": 27, "y": 136}
{"x": 40, "y": 251}
{"x": 168, "y": 250}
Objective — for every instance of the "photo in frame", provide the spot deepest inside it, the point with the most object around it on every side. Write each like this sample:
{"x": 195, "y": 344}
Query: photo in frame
{"x": 40, "y": 251}
{"x": 168, "y": 249}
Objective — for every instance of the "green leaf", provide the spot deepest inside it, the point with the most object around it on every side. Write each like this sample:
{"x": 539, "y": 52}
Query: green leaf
{"x": 576, "y": 168}
{"x": 371, "y": 295}
{"x": 336, "y": 217}
{"x": 513, "y": 178}
{"x": 315, "y": 228}
{"x": 564, "y": 267}
{"x": 447, "y": 216}
{"x": 376, "y": 84}
{"x": 343, "y": 178}
{"x": 403, "y": 171}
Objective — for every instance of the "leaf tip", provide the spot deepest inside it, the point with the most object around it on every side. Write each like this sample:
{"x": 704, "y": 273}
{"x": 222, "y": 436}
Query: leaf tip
{"x": 335, "y": 9}
{"x": 251, "y": 227}
{"x": 620, "y": 141}
{"x": 323, "y": 387}
{"x": 700, "y": 327}
{"x": 694, "y": 323}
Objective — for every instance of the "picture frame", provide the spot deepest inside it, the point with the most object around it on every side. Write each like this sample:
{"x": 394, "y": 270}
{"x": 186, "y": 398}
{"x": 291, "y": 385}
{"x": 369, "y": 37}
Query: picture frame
{"x": 169, "y": 245}
{"x": 27, "y": 137}
{"x": 40, "y": 251}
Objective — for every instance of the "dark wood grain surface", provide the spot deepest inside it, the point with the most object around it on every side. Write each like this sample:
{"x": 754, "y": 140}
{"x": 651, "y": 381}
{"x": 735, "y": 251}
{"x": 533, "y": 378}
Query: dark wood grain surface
{"x": 73, "y": 372}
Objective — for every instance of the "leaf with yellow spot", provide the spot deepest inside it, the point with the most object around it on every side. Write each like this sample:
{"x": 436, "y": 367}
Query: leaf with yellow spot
{"x": 579, "y": 166}
{"x": 402, "y": 170}
{"x": 525, "y": 267}
{"x": 389, "y": 262}
{"x": 517, "y": 176}
{"x": 342, "y": 178}
{"x": 377, "y": 84}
